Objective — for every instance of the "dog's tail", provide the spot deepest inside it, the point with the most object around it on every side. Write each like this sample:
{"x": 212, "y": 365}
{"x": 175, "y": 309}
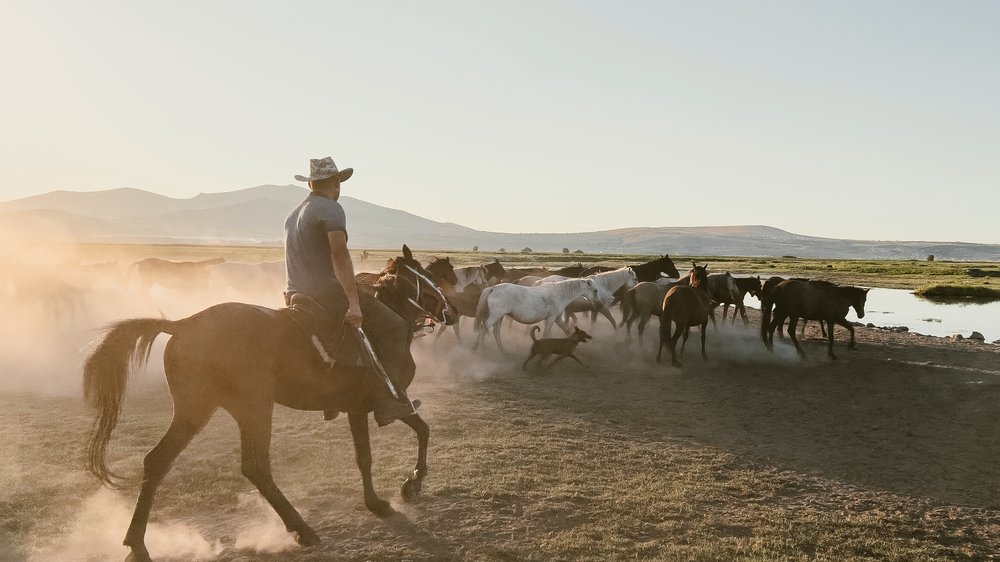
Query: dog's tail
{"x": 533, "y": 330}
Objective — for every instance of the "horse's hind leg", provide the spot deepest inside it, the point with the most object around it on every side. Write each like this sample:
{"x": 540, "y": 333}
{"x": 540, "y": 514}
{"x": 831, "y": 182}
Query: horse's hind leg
{"x": 363, "y": 455}
{"x": 792, "y": 321}
{"x": 829, "y": 337}
{"x": 254, "y": 421}
{"x": 704, "y": 328}
{"x": 189, "y": 418}
{"x": 411, "y": 487}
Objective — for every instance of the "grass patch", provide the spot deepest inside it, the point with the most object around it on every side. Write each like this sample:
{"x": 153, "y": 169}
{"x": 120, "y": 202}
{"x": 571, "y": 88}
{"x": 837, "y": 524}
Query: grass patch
{"x": 958, "y": 291}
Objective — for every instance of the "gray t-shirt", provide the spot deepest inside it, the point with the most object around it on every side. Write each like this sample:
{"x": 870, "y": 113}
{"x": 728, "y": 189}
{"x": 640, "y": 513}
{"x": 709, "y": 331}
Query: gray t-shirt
{"x": 308, "y": 268}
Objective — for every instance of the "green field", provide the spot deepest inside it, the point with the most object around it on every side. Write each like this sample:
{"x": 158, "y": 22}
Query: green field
{"x": 893, "y": 274}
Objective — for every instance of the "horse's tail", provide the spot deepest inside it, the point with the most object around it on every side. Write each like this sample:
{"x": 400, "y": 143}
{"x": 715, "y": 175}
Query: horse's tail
{"x": 482, "y": 309}
{"x": 628, "y": 306}
{"x": 766, "y": 306}
{"x": 533, "y": 330}
{"x": 124, "y": 348}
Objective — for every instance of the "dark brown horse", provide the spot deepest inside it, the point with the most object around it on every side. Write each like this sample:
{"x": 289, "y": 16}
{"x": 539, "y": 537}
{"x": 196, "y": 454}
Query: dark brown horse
{"x": 812, "y": 300}
{"x": 245, "y": 358}
{"x": 686, "y": 305}
{"x": 745, "y": 285}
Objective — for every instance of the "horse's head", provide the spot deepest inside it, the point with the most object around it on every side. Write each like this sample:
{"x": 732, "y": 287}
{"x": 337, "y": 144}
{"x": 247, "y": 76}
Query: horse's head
{"x": 753, "y": 286}
{"x": 698, "y": 276}
{"x": 666, "y": 265}
{"x": 406, "y": 287}
{"x": 858, "y": 298}
{"x": 494, "y": 270}
{"x": 442, "y": 271}
{"x": 631, "y": 278}
{"x": 591, "y": 290}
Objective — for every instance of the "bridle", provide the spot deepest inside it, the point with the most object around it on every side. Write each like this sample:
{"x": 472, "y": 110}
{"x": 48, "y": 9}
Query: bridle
{"x": 418, "y": 277}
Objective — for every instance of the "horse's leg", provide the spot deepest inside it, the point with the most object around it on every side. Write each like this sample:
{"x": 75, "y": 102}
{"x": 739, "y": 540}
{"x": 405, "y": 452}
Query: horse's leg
{"x": 189, "y": 418}
{"x": 254, "y": 421}
{"x": 558, "y": 320}
{"x": 496, "y": 333}
{"x": 704, "y": 328}
{"x": 363, "y": 455}
{"x": 829, "y": 338}
{"x": 606, "y": 313}
{"x": 673, "y": 345}
{"x": 792, "y": 321}
{"x": 412, "y": 485}
{"x": 687, "y": 332}
{"x": 664, "y": 337}
{"x": 643, "y": 319}
{"x": 850, "y": 329}
{"x": 743, "y": 313}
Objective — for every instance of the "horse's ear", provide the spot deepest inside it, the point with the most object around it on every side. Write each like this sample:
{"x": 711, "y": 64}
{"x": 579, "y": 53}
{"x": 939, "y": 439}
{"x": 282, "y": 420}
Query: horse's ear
{"x": 407, "y": 253}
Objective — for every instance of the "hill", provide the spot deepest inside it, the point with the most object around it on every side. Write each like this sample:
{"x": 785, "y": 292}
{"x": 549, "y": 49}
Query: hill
{"x": 255, "y": 216}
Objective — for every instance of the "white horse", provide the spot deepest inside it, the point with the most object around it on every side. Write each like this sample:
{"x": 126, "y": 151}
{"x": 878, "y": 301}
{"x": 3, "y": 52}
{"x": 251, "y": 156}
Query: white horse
{"x": 529, "y": 305}
{"x": 607, "y": 283}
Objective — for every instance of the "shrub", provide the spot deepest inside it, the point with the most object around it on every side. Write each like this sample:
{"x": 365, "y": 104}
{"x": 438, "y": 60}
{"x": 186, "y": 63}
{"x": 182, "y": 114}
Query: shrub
{"x": 475, "y": 248}
{"x": 525, "y": 250}
{"x": 565, "y": 250}
{"x": 930, "y": 257}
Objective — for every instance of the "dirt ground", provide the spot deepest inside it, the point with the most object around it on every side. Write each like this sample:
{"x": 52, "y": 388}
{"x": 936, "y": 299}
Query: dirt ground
{"x": 888, "y": 453}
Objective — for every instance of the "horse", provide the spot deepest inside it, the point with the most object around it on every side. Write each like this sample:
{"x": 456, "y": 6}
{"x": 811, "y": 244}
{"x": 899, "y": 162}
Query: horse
{"x": 464, "y": 303}
{"x": 513, "y": 274}
{"x": 814, "y": 301}
{"x": 642, "y": 301}
{"x": 249, "y": 278}
{"x": 245, "y": 358}
{"x": 686, "y": 305}
{"x": 744, "y": 285}
{"x": 529, "y": 305}
{"x": 483, "y": 275}
{"x": 765, "y": 306}
{"x": 651, "y": 270}
{"x": 608, "y": 283}
{"x": 442, "y": 271}
{"x": 181, "y": 276}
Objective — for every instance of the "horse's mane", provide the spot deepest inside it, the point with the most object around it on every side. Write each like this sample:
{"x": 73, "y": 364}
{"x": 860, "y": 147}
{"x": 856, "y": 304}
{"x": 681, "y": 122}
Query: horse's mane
{"x": 563, "y": 288}
{"x": 614, "y": 278}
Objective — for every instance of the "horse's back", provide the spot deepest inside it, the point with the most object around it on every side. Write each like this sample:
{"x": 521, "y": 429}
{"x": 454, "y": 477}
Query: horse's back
{"x": 686, "y": 305}
{"x": 810, "y": 300}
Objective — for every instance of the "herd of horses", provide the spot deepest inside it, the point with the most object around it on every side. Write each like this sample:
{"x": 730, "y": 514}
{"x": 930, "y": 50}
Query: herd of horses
{"x": 244, "y": 358}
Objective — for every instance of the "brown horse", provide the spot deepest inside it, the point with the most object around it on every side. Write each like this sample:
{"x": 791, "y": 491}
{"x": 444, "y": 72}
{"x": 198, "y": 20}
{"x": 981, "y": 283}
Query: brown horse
{"x": 813, "y": 300}
{"x": 243, "y": 358}
{"x": 180, "y": 276}
{"x": 686, "y": 305}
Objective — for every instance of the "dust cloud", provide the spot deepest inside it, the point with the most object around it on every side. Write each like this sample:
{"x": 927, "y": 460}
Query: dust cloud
{"x": 56, "y": 305}
{"x": 96, "y": 534}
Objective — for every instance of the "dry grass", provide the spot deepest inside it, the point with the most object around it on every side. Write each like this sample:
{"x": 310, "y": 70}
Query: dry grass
{"x": 888, "y": 454}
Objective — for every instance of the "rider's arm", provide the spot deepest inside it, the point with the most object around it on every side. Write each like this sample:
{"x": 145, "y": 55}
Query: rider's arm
{"x": 343, "y": 269}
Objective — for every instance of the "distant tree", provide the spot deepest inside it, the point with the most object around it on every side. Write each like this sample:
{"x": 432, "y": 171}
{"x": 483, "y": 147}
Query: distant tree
{"x": 577, "y": 251}
{"x": 475, "y": 248}
{"x": 526, "y": 250}
{"x": 502, "y": 251}
{"x": 930, "y": 257}
{"x": 565, "y": 250}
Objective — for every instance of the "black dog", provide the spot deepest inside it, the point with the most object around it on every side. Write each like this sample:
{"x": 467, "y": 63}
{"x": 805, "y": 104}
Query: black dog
{"x": 563, "y": 347}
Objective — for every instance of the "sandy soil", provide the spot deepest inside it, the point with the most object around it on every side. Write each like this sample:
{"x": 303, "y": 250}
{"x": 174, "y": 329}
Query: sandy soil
{"x": 889, "y": 452}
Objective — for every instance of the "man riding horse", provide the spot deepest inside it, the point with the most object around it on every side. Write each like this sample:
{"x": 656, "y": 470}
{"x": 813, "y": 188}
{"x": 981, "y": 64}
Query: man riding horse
{"x": 318, "y": 266}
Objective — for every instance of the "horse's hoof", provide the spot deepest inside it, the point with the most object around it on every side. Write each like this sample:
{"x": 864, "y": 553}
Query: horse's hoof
{"x": 380, "y": 507}
{"x": 411, "y": 489}
{"x": 306, "y": 537}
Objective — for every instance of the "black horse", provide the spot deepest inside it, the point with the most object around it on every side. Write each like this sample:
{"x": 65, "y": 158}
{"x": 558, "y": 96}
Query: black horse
{"x": 244, "y": 358}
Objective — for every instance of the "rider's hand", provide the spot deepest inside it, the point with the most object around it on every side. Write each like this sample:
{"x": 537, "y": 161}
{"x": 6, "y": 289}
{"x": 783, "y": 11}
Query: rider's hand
{"x": 354, "y": 317}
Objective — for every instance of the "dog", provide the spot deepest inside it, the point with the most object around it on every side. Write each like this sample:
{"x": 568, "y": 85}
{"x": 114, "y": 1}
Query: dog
{"x": 563, "y": 347}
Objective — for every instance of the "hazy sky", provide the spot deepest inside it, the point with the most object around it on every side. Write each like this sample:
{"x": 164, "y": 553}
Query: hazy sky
{"x": 846, "y": 119}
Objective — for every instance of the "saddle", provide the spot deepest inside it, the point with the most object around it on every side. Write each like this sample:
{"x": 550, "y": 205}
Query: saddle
{"x": 326, "y": 333}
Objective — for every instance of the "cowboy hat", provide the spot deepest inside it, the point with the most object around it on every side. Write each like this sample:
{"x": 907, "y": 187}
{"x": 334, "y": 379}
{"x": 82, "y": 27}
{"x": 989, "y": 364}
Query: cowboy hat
{"x": 323, "y": 168}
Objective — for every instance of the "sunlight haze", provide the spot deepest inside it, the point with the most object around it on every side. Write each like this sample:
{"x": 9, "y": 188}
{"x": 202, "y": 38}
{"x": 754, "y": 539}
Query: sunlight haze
{"x": 854, "y": 120}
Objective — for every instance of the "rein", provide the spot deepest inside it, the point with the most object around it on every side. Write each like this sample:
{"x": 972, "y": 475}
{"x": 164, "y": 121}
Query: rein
{"x": 421, "y": 277}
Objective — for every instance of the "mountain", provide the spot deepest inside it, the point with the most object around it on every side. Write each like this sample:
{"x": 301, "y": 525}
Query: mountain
{"x": 256, "y": 216}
